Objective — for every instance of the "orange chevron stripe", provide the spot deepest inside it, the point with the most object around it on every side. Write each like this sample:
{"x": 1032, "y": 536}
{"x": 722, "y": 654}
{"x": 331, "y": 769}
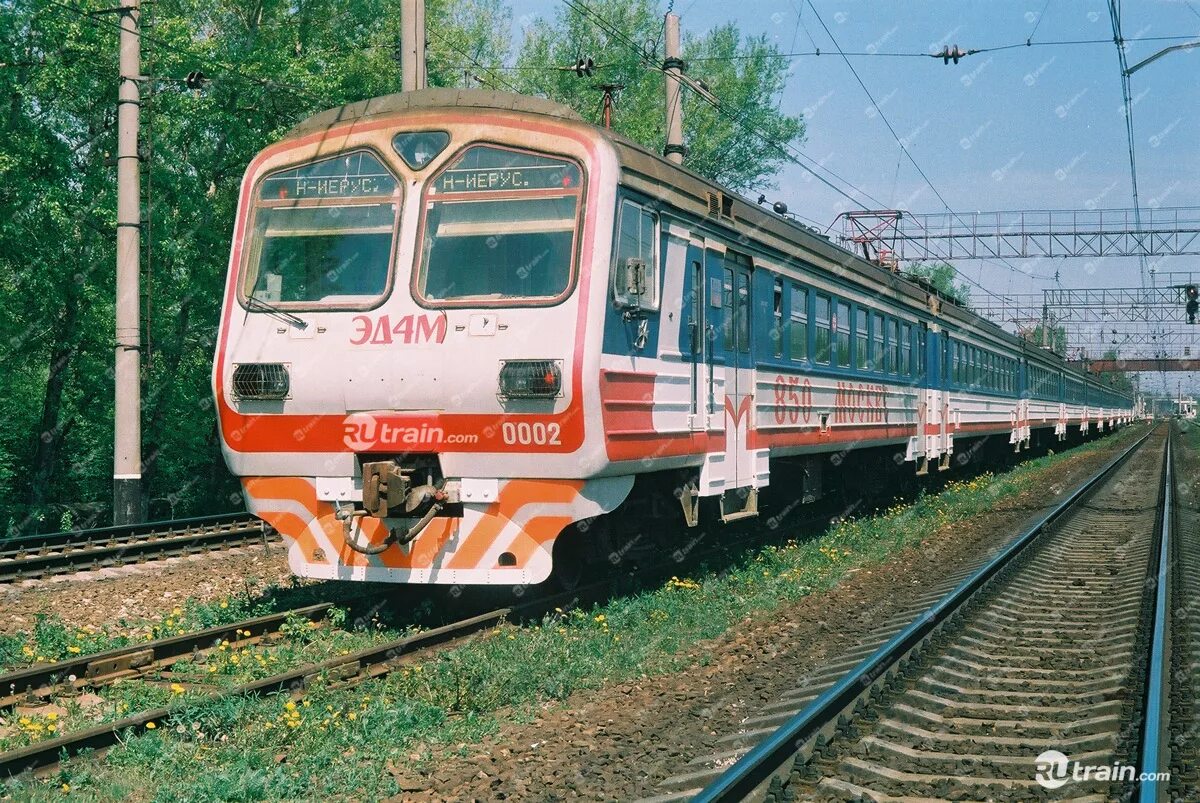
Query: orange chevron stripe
{"x": 513, "y": 496}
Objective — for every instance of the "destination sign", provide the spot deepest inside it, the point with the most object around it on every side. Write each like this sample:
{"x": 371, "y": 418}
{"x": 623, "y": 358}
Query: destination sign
{"x": 485, "y": 169}
{"x": 356, "y": 175}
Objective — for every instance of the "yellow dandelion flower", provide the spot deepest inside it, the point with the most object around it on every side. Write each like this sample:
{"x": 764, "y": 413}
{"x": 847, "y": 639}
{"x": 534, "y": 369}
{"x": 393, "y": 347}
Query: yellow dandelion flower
{"x": 52, "y": 716}
{"x": 289, "y": 705}
{"x": 74, "y": 650}
{"x": 150, "y": 726}
{"x": 352, "y": 716}
{"x": 224, "y": 603}
{"x": 51, "y": 728}
{"x": 176, "y": 688}
{"x": 66, "y": 787}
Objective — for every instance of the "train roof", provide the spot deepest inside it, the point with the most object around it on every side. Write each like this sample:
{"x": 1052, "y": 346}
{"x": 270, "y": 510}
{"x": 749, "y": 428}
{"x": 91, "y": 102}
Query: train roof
{"x": 643, "y": 169}
{"x": 431, "y": 99}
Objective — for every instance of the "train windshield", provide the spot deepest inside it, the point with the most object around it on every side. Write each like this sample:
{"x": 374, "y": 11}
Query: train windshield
{"x": 500, "y": 227}
{"x": 323, "y": 233}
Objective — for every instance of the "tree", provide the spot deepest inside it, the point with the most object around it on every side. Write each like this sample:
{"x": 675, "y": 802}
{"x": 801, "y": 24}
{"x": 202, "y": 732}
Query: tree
{"x": 1117, "y": 380}
{"x": 740, "y": 147}
{"x": 941, "y": 276}
{"x": 266, "y": 66}
{"x": 1053, "y": 337}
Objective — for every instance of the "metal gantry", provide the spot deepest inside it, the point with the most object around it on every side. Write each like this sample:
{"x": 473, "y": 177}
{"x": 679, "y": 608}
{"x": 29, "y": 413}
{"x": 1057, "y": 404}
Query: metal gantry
{"x": 1163, "y": 231}
{"x": 1147, "y": 325}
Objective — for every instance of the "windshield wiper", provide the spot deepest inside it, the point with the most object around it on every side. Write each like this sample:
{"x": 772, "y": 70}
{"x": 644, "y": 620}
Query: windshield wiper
{"x": 254, "y": 302}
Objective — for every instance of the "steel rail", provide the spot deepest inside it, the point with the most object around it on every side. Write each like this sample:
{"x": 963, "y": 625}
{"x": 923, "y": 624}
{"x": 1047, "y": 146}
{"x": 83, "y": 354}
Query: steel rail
{"x": 769, "y": 756}
{"x": 1155, "y": 754}
{"x": 371, "y": 662}
{"x": 97, "y": 669}
{"x": 68, "y": 537}
{"x": 62, "y": 557}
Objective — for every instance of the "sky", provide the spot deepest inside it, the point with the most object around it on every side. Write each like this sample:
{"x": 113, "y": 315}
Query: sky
{"x": 1025, "y": 128}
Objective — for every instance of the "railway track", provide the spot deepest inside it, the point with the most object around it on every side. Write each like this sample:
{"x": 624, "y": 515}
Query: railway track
{"x": 153, "y": 662}
{"x": 35, "y": 556}
{"x": 1058, "y": 643}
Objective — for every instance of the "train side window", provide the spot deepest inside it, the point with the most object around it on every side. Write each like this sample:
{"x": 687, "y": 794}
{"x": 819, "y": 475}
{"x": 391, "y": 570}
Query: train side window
{"x": 743, "y": 312}
{"x": 877, "y": 342}
{"x": 861, "y": 342}
{"x": 777, "y": 318}
{"x": 727, "y": 330}
{"x": 906, "y": 350}
{"x": 799, "y": 324}
{"x": 635, "y": 274}
{"x": 821, "y": 319}
{"x": 893, "y": 345}
{"x": 842, "y": 328}
{"x": 921, "y": 344}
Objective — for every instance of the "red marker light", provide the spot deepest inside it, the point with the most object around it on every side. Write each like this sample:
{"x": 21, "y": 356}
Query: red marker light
{"x": 283, "y": 192}
{"x": 566, "y": 181}
{"x": 549, "y": 377}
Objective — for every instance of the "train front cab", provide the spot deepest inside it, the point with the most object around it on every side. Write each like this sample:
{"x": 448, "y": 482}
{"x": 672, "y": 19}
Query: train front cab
{"x": 404, "y": 368}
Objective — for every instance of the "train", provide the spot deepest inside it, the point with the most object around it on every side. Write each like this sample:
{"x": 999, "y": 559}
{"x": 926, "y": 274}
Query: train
{"x": 464, "y": 332}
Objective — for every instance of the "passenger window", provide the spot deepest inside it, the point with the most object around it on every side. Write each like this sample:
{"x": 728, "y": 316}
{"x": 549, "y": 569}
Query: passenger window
{"x": 906, "y": 349}
{"x": 893, "y": 346}
{"x": 777, "y": 319}
{"x": 822, "y": 322}
{"x": 860, "y": 339}
{"x": 842, "y": 327}
{"x": 799, "y": 324}
{"x": 877, "y": 342}
{"x": 636, "y": 270}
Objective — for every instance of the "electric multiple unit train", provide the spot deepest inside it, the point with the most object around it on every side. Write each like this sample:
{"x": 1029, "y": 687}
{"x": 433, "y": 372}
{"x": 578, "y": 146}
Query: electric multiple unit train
{"x": 459, "y": 324}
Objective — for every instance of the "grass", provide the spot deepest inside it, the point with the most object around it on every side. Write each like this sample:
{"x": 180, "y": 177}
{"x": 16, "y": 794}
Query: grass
{"x": 353, "y": 743}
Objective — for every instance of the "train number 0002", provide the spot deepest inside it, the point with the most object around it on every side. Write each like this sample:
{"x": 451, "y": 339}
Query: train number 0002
{"x": 527, "y": 434}
{"x": 793, "y": 400}
{"x": 408, "y": 329}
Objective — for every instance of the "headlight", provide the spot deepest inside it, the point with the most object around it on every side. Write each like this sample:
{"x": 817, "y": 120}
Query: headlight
{"x": 261, "y": 380}
{"x": 530, "y": 379}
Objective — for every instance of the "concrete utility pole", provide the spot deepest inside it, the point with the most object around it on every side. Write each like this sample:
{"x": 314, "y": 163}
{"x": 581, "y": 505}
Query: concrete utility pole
{"x": 127, "y": 429}
{"x": 673, "y": 68}
{"x": 412, "y": 45}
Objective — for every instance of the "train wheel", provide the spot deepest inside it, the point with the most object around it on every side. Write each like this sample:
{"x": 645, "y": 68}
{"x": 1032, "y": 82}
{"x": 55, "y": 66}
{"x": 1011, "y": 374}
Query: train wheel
{"x": 570, "y": 557}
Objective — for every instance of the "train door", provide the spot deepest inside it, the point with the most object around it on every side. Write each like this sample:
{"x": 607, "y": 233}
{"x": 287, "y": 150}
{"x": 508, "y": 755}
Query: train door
{"x": 698, "y": 336}
{"x": 736, "y": 348}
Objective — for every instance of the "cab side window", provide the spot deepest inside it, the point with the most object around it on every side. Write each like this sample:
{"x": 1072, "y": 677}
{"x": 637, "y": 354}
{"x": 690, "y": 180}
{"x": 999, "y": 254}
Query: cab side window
{"x": 635, "y": 271}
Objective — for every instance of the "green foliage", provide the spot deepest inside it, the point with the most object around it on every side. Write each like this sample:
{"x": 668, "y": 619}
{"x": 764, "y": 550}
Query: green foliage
{"x": 340, "y": 742}
{"x": 1053, "y": 336}
{"x": 942, "y": 276}
{"x": 1117, "y": 380}
{"x": 744, "y": 73}
{"x": 268, "y": 66}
